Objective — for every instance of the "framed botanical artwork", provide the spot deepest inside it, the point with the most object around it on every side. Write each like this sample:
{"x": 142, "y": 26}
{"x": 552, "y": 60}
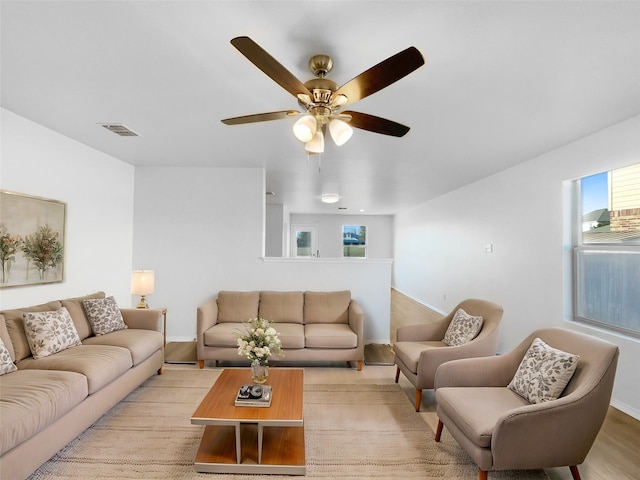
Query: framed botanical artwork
{"x": 31, "y": 239}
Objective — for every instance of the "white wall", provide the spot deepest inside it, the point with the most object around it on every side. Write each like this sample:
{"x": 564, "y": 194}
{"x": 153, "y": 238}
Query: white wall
{"x": 274, "y": 234}
{"x": 98, "y": 191}
{"x": 440, "y": 246}
{"x": 202, "y": 231}
{"x": 379, "y": 232}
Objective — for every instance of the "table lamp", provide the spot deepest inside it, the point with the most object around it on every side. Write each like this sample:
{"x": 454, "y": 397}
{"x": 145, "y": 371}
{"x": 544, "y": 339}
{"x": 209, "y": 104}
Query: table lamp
{"x": 142, "y": 283}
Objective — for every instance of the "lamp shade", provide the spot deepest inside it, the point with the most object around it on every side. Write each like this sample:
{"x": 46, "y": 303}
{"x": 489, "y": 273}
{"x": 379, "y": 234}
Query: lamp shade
{"x": 340, "y": 131}
{"x": 316, "y": 144}
{"x": 142, "y": 282}
{"x": 305, "y": 128}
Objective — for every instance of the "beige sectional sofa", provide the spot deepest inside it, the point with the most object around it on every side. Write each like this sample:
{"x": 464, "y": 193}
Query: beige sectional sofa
{"x": 313, "y": 326}
{"x": 47, "y": 402}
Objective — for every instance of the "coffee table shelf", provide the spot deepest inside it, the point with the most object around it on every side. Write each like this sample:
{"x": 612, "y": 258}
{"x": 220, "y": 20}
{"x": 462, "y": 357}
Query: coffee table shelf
{"x": 252, "y": 440}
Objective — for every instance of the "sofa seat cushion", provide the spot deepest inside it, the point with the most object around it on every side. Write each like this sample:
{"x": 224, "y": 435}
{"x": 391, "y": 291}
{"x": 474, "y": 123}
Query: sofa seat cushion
{"x": 409, "y": 352}
{"x": 31, "y": 400}
{"x": 222, "y": 335}
{"x": 291, "y": 335}
{"x": 336, "y": 335}
{"x": 476, "y": 410}
{"x": 284, "y": 307}
{"x": 141, "y": 343}
{"x": 101, "y": 364}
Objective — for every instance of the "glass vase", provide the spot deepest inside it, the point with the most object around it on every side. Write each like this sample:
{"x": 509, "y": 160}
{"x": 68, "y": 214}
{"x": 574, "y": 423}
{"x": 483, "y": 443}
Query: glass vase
{"x": 259, "y": 372}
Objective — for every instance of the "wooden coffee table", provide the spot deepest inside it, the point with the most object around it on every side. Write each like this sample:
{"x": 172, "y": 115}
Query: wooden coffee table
{"x": 252, "y": 439}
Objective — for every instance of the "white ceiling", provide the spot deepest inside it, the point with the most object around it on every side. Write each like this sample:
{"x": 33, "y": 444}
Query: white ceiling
{"x": 504, "y": 82}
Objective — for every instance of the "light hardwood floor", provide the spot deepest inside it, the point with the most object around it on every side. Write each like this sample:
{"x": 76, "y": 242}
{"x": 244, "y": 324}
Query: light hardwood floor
{"x": 615, "y": 454}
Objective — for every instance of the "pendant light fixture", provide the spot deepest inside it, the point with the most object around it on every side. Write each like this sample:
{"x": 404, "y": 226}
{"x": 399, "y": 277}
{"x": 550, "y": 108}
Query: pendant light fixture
{"x": 305, "y": 128}
{"x": 340, "y": 131}
{"x": 316, "y": 144}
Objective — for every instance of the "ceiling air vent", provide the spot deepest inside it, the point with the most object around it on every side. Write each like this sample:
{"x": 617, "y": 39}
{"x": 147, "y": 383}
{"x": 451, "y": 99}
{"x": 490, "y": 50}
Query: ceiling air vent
{"x": 120, "y": 129}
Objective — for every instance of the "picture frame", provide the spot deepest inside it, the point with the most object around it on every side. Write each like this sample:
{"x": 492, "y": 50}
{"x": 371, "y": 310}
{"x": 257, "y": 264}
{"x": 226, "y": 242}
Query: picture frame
{"x": 32, "y": 239}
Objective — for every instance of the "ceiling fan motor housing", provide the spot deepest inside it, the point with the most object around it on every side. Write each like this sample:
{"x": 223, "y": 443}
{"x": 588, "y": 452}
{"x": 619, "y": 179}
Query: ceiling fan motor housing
{"x": 322, "y": 89}
{"x": 320, "y": 65}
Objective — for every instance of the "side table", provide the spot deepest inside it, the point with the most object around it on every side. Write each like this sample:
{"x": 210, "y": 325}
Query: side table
{"x": 164, "y": 328}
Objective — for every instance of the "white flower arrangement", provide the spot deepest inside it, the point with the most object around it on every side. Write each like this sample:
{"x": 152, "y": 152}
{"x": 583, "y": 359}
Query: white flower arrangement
{"x": 259, "y": 341}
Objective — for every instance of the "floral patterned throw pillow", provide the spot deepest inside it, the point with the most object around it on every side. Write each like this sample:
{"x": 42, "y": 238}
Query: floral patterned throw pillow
{"x": 543, "y": 372}
{"x": 462, "y": 329}
{"x": 104, "y": 315}
{"x": 50, "y": 332}
{"x": 6, "y": 364}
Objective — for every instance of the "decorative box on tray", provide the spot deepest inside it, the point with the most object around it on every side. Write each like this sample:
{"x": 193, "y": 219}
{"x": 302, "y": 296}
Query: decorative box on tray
{"x": 254, "y": 396}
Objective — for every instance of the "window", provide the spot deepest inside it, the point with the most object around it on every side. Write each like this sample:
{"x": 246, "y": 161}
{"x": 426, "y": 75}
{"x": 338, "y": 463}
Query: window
{"x": 606, "y": 256}
{"x": 354, "y": 241}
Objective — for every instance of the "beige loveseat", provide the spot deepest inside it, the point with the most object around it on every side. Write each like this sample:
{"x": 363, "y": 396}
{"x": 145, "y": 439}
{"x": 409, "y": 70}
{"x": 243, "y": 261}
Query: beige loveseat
{"x": 313, "y": 326}
{"x": 49, "y": 401}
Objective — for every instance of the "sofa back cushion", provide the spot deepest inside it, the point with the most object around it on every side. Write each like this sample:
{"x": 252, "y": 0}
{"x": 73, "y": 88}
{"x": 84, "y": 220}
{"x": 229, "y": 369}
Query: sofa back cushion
{"x": 327, "y": 307}
{"x": 237, "y": 306}
{"x": 6, "y": 339}
{"x": 282, "y": 307}
{"x": 78, "y": 314}
{"x": 15, "y": 327}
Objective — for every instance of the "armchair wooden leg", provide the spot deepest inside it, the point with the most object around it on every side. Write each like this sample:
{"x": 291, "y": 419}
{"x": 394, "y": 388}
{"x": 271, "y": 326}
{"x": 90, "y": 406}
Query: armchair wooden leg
{"x": 359, "y": 365}
{"x": 439, "y": 430}
{"x": 574, "y": 472}
{"x": 397, "y": 374}
{"x": 418, "y": 399}
{"x": 201, "y": 363}
{"x": 482, "y": 474}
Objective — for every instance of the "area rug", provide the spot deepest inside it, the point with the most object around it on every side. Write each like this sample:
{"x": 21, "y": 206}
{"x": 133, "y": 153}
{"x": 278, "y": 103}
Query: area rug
{"x": 361, "y": 431}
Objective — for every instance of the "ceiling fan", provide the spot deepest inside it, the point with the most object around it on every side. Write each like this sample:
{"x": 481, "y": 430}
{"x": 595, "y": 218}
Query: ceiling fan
{"x": 323, "y": 101}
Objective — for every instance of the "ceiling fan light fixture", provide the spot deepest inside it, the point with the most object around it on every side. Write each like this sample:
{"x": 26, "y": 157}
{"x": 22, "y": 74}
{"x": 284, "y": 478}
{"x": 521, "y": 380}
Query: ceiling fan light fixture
{"x": 305, "y": 128}
{"x": 316, "y": 144}
{"x": 330, "y": 198}
{"x": 340, "y": 131}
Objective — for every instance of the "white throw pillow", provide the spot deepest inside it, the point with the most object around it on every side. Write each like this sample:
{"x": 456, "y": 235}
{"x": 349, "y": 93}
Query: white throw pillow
{"x": 462, "y": 329}
{"x": 104, "y": 315}
{"x": 6, "y": 363}
{"x": 543, "y": 373}
{"x": 50, "y": 332}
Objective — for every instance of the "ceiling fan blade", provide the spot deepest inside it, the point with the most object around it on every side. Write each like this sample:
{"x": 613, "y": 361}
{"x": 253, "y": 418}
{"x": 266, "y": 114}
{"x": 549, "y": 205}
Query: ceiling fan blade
{"x": 260, "y": 117}
{"x": 381, "y": 75}
{"x": 270, "y": 66}
{"x": 376, "y": 124}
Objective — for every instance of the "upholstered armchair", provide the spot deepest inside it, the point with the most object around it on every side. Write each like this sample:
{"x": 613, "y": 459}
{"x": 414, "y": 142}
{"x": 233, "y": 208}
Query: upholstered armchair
{"x": 419, "y": 349}
{"x": 501, "y": 430}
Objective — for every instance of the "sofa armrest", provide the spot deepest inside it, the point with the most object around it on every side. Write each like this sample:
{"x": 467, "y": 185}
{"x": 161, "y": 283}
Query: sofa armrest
{"x": 356, "y": 321}
{"x": 494, "y": 371}
{"x": 207, "y": 317}
{"x": 548, "y": 434}
{"x": 423, "y": 332}
{"x": 143, "y": 318}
